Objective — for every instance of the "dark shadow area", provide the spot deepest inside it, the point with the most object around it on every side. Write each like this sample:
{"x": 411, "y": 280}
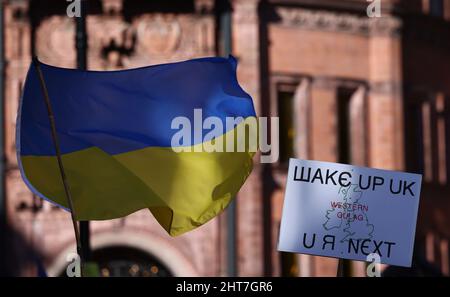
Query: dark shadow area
{"x": 128, "y": 262}
{"x": 17, "y": 255}
{"x": 420, "y": 266}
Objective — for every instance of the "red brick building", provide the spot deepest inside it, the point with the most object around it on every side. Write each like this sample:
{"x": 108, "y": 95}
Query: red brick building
{"x": 347, "y": 88}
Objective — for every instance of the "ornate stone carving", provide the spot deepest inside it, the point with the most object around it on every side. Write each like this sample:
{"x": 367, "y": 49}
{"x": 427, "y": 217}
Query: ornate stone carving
{"x": 338, "y": 22}
{"x": 112, "y": 7}
{"x": 55, "y": 41}
{"x": 111, "y": 41}
{"x": 158, "y": 34}
{"x": 385, "y": 87}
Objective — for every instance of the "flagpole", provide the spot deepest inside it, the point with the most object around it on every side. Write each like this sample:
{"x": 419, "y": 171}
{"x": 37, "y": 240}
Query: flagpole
{"x": 51, "y": 118}
{"x": 340, "y": 268}
{"x": 231, "y": 213}
{"x": 81, "y": 47}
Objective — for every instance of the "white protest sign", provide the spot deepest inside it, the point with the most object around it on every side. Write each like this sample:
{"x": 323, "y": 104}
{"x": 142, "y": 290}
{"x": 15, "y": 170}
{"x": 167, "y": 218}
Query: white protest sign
{"x": 349, "y": 212}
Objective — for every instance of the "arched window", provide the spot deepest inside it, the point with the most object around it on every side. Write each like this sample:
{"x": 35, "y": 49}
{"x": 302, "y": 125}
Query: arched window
{"x": 126, "y": 261}
{"x": 437, "y": 8}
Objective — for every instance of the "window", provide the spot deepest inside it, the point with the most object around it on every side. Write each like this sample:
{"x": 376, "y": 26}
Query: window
{"x": 437, "y": 8}
{"x": 427, "y": 131}
{"x": 351, "y": 125}
{"x": 287, "y": 130}
{"x": 343, "y": 109}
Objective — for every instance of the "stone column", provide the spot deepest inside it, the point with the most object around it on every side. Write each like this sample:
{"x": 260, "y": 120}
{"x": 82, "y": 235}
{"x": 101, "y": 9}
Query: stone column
{"x": 323, "y": 120}
{"x": 385, "y": 96}
{"x": 17, "y": 31}
{"x": 358, "y": 127}
{"x": 249, "y": 201}
{"x": 323, "y": 148}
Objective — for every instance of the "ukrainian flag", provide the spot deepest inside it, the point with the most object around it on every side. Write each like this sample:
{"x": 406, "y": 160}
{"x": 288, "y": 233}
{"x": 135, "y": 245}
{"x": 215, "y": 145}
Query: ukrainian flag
{"x": 115, "y": 132}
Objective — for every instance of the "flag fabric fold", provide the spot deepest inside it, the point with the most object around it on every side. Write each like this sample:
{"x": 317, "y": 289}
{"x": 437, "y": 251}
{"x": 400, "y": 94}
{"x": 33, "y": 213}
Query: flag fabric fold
{"x": 115, "y": 130}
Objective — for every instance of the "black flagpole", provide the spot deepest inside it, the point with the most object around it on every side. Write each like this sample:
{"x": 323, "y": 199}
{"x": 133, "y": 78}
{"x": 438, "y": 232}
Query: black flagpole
{"x": 81, "y": 46}
{"x": 51, "y": 118}
{"x": 340, "y": 268}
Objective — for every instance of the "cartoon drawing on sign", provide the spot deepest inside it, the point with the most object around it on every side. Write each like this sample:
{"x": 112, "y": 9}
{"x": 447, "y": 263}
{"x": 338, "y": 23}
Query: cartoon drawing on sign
{"x": 349, "y": 215}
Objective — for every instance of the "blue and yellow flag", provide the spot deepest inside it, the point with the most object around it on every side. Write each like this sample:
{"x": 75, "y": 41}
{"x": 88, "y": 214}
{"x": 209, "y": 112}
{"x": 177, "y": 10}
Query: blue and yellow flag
{"x": 116, "y": 134}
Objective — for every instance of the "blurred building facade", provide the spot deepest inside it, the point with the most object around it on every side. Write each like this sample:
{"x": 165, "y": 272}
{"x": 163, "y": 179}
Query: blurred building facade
{"x": 347, "y": 88}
